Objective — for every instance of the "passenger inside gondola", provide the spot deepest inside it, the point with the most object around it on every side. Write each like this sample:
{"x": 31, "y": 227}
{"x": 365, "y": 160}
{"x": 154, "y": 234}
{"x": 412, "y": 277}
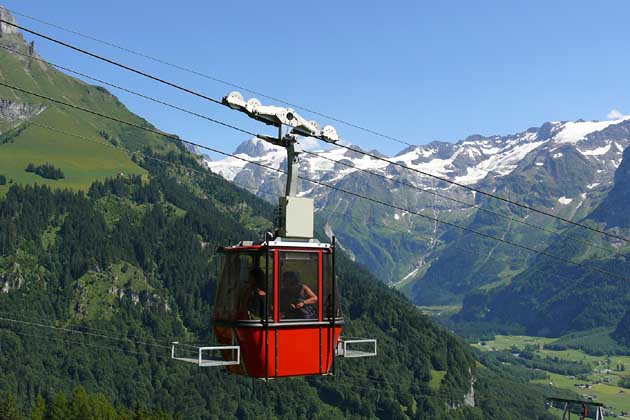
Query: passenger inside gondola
{"x": 297, "y": 300}
{"x": 256, "y": 294}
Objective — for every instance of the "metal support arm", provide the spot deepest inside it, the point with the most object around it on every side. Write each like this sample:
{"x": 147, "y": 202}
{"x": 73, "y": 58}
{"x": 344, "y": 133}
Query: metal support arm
{"x": 292, "y": 171}
{"x": 344, "y": 351}
{"x": 200, "y": 361}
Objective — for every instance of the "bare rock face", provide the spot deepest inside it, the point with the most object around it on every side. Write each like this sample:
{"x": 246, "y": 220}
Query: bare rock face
{"x": 11, "y": 280}
{"x": 469, "y": 399}
{"x": 15, "y": 112}
{"x": 4, "y": 28}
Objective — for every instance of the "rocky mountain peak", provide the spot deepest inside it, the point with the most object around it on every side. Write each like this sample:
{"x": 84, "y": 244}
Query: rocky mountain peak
{"x": 255, "y": 148}
{"x": 4, "y": 28}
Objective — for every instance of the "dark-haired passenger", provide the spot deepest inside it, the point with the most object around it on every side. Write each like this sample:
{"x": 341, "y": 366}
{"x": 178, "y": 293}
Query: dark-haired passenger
{"x": 297, "y": 300}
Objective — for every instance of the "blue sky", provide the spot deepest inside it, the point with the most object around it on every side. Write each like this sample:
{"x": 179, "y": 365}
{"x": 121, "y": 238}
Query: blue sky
{"x": 419, "y": 71}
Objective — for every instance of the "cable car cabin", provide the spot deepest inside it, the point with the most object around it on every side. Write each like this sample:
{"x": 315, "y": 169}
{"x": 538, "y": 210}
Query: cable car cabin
{"x": 276, "y": 302}
{"x": 276, "y": 313}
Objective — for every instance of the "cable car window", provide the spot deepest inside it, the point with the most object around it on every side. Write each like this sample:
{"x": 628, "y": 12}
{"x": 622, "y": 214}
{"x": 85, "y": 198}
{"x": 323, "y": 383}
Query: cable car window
{"x": 260, "y": 287}
{"x": 298, "y": 285}
{"x": 242, "y": 291}
{"x": 327, "y": 288}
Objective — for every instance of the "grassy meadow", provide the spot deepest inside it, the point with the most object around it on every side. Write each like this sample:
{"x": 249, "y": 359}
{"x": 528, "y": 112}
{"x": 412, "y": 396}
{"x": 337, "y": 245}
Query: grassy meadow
{"x": 603, "y": 378}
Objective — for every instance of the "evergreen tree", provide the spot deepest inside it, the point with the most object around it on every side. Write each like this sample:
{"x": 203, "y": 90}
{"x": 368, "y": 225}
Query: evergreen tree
{"x": 8, "y": 409}
{"x": 59, "y": 409}
{"x": 46, "y": 170}
{"x": 39, "y": 409}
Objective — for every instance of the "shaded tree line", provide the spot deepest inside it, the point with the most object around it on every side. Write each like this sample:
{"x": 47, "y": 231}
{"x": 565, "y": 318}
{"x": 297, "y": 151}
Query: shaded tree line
{"x": 46, "y": 170}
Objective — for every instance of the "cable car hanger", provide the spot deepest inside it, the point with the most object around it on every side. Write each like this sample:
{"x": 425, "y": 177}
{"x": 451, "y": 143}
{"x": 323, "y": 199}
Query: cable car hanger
{"x": 277, "y": 311}
{"x": 567, "y": 404}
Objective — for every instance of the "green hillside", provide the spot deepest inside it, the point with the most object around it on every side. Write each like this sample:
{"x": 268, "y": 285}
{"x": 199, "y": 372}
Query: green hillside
{"x": 22, "y": 142}
{"x": 81, "y": 161}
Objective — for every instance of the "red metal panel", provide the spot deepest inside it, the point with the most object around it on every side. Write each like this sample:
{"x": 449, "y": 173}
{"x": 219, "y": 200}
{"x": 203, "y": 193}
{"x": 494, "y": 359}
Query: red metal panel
{"x": 298, "y": 351}
{"x": 328, "y": 346}
{"x": 252, "y": 342}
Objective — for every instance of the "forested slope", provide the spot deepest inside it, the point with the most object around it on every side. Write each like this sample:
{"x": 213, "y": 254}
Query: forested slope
{"x": 79, "y": 405}
{"x": 622, "y": 332}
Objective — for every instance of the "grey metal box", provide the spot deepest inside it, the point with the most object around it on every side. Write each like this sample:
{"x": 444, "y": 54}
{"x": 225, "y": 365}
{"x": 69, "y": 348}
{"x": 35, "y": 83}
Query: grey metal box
{"x": 296, "y": 217}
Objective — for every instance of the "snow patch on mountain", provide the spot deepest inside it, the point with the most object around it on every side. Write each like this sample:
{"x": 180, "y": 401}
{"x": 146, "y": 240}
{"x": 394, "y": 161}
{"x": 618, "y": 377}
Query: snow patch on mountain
{"x": 227, "y": 168}
{"x": 500, "y": 163}
{"x": 324, "y": 161}
{"x": 435, "y": 166}
{"x": 596, "y": 152}
{"x": 574, "y": 132}
{"x": 583, "y": 199}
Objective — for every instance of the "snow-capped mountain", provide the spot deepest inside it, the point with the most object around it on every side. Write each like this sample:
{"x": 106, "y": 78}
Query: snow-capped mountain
{"x": 467, "y": 162}
{"x": 537, "y": 166}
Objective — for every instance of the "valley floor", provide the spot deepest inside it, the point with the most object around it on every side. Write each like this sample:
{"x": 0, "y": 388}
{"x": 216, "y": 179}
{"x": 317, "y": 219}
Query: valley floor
{"x": 600, "y": 384}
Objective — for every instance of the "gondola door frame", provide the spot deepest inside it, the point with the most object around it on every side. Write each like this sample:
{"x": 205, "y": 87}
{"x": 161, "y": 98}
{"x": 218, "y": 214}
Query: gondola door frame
{"x": 267, "y": 308}
{"x": 333, "y": 341}
{"x": 276, "y": 300}
{"x": 320, "y": 306}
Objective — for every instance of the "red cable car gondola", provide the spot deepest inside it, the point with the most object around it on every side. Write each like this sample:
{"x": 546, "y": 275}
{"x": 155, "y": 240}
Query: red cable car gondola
{"x": 276, "y": 301}
{"x": 277, "y": 307}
